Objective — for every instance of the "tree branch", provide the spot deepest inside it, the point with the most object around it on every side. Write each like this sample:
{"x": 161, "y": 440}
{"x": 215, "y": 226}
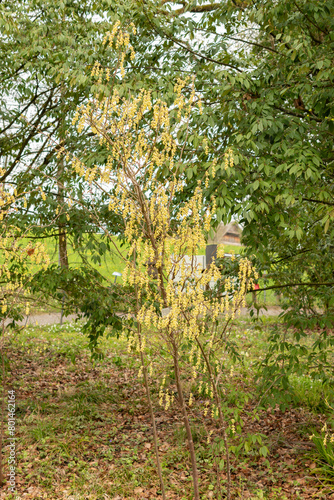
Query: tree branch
{"x": 319, "y": 201}
{"x": 291, "y": 284}
{"x": 191, "y": 51}
{"x": 287, "y": 112}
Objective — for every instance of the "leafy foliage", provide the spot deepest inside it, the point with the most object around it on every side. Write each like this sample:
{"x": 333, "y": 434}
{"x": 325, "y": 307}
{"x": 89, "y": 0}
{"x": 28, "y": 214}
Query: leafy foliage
{"x": 265, "y": 74}
{"x": 87, "y": 294}
{"x": 47, "y": 50}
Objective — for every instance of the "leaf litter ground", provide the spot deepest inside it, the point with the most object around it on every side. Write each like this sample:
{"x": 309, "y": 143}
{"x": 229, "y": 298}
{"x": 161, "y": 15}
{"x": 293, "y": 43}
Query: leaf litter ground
{"x": 83, "y": 428}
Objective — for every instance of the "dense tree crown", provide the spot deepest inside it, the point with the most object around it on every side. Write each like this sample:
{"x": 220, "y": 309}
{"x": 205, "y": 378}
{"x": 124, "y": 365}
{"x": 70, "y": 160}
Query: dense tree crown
{"x": 264, "y": 72}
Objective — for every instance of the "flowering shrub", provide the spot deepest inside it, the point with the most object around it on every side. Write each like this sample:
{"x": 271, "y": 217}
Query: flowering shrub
{"x": 176, "y": 306}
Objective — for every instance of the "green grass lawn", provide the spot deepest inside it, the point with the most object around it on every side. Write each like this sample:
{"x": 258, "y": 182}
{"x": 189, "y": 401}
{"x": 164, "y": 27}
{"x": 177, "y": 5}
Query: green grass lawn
{"x": 112, "y": 262}
{"x": 83, "y": 427}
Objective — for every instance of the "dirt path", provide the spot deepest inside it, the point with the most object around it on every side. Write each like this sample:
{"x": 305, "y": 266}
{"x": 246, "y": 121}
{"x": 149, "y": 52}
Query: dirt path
{"x": 45, "y": 319}
{"x": 271, "y": 311}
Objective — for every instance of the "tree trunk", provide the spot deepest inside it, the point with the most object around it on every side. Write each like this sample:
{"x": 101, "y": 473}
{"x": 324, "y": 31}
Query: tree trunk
{"x": 186, "y": 424}
{"x": 63, "y": 259}
{"x": 62, "y": 240}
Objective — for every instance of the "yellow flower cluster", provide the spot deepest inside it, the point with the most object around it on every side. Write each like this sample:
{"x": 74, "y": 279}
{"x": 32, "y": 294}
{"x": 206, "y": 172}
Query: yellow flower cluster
{"x": 181, "y": 103}
{"x": 119, "y": 40}
{"x": 229, "y": 159}
{"x": 6, "y": 202}
{"x": 328, "y": 437}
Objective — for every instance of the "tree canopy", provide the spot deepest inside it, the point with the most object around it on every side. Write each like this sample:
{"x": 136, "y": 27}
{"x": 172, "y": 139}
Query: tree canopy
{"x": 265, "y": 74}
{"x": 264, "y": 71}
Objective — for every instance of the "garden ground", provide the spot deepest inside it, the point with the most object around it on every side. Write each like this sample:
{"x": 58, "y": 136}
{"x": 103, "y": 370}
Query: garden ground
{"x": 83, "y": 428}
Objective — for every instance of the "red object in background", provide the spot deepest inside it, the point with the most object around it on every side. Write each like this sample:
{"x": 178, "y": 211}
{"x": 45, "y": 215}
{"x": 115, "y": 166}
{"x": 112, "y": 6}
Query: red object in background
{"x": 256, "y": 287}
{"x": 30, "y": 251}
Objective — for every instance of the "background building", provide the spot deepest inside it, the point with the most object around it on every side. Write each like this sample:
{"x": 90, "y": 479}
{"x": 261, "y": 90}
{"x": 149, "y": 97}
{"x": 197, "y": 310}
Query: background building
{"x": 229, "y": 234}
